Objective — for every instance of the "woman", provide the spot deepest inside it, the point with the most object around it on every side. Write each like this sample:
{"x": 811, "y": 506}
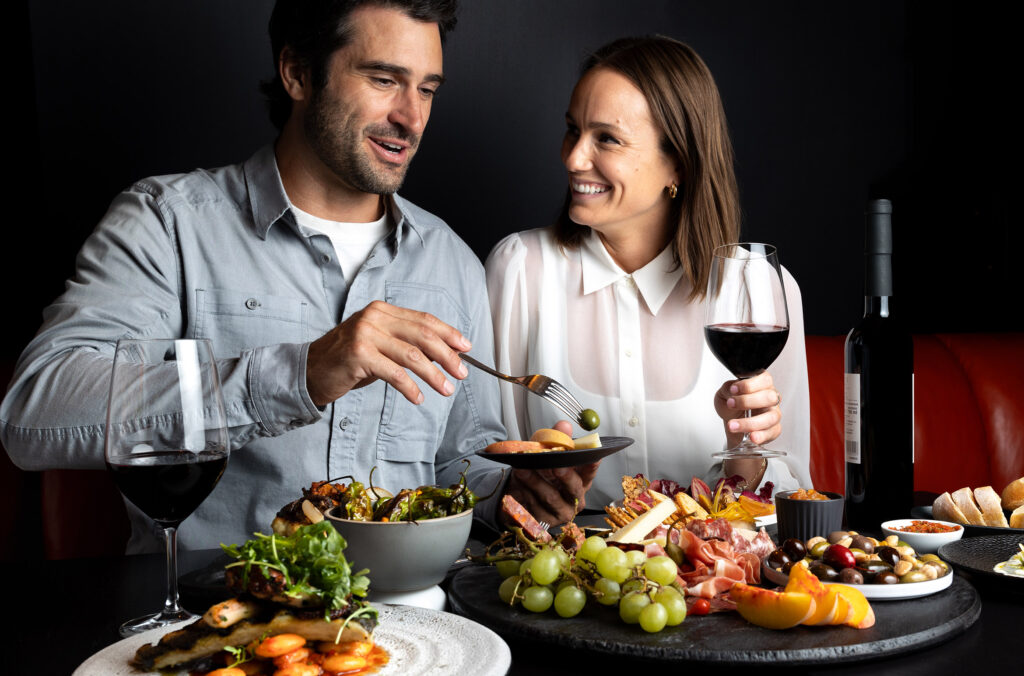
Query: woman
{"x": 610, "y": 300}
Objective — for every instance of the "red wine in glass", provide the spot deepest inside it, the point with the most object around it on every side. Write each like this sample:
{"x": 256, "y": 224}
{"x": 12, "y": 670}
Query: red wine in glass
{"x": 166, "y": 443}
{"x": 746, "y": 349}
{"x": 746, "y": 321}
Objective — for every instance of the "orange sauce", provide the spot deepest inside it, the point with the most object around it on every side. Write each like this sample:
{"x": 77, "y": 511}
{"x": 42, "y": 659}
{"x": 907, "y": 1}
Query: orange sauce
{"x": 807, "y": 494}
{"x": 927, "y": 527}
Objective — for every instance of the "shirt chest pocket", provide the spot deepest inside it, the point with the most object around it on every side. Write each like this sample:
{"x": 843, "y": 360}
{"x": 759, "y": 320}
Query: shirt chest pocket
{"x": 413, "y": 432}
{"x": 240, "y": 320}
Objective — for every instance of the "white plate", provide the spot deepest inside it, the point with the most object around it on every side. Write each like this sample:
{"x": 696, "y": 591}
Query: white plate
{"x": 878, "y": 592}
{"x": 419, "y": 641}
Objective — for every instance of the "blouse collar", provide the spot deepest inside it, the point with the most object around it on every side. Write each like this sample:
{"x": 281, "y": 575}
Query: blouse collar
{"x": 654, "y": 281}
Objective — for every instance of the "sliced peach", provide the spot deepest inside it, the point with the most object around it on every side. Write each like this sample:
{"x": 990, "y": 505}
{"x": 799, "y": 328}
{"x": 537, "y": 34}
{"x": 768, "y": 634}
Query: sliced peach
{"x": 771, "y": 609}
{"x": 861, "y": 615}
{"x": 801, "y": 579}
{"x": 553, "y": 439}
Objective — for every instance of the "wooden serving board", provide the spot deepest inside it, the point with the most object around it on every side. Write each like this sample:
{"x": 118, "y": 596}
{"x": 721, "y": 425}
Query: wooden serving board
{"x": 723, "y": 638}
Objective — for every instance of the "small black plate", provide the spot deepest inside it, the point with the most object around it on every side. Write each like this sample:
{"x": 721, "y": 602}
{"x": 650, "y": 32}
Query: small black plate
{"x": 979, "y": 556}
{"x": 925, "y": 512}
{"x": 555, "y": 459}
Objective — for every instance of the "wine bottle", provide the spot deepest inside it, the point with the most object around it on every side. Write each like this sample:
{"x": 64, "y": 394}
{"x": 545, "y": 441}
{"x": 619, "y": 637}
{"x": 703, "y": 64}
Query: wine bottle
{"x": 879, "y": 392}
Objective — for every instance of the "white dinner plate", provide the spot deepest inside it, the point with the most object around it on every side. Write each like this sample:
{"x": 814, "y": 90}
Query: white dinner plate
{"x": 877, "y": 592}
{"x": 418, "y": 640}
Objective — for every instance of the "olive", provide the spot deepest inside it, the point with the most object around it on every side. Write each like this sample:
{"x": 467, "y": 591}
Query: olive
{"x": 943, "y": 567}
{"x": 794, "y": 549}
{"x": 777, "y": 559}
{"x": 851, "y": 576}
{"x": 823, "y": 571}
{"x": 871, "y": 568}
{"x": 786, "y": 567}
{"x": 675, "y": 552}
{"x": 839, "y": 557}
{"x": 886, "y": 577}
{"x": 914, "y": 576}
{"x": 589, "y": 419}
{"x": 929, "y": 557}
{"x": 836, "y": 535}
{"x": 818, "y": 549}
{"x": 888, "y": 554}
{"x": 862, "y": 543}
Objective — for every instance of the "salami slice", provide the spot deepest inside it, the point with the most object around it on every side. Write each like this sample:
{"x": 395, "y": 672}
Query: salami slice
{"x": 522, "y": 518}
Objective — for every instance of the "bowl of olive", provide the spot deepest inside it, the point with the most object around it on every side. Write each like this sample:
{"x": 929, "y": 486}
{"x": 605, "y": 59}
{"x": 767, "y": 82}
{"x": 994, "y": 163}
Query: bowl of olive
{"x": 887, "y": 568}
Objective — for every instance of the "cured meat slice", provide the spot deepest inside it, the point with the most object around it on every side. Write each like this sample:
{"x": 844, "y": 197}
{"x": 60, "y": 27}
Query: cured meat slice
{"x": 522, "y": 518}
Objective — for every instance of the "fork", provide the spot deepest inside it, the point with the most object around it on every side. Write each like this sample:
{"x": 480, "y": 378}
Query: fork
{"x": 544, "y": 525}
{"x": 545, "y": 387}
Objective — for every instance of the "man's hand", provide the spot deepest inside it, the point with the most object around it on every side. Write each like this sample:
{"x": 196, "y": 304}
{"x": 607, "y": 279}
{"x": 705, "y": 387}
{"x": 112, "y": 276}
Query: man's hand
{"x": 759, "y": 396}
{"x": 381, "y": 341}
{"x": 553, "y": 495}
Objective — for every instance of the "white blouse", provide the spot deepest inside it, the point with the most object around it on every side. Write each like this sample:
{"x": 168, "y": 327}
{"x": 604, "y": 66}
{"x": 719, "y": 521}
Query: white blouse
{"x": 631, "y": 347}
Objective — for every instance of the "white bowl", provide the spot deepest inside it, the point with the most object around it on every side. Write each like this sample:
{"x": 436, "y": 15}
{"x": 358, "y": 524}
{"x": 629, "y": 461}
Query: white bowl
{"x": 923, "y": 543}
{"x": 401, "y": 555}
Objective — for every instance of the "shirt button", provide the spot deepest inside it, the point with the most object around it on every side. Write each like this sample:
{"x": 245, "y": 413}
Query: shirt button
{"x": 252, "y": 303}
{"x": 634, "y": 421}
{"x": 629, "y": 353}
{"x": 326, "y": 258}
{"x": 343, "y": 423}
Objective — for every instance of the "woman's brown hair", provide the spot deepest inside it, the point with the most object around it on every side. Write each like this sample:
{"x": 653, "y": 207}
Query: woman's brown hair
{"x": 686, "y": 106}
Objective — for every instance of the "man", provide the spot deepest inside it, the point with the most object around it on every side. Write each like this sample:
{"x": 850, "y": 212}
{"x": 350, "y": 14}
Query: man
{"x": 335, "y": 307}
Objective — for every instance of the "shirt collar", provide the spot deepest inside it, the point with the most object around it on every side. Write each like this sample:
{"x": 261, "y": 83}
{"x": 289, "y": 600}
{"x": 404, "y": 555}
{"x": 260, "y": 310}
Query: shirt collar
{"x": 269, "y": 202}
{"x": 654, "y": 281}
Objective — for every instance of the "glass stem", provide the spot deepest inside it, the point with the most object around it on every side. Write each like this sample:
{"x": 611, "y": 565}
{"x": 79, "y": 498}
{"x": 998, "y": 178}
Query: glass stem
{"x": 746, "y": 435}
{"x": 171, "y": 540}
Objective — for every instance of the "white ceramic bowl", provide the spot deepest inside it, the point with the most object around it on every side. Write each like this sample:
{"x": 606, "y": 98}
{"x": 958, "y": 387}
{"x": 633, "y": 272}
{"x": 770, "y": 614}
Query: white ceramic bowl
{"x": 923, "y": 543}
{"x": 404, "y": 556}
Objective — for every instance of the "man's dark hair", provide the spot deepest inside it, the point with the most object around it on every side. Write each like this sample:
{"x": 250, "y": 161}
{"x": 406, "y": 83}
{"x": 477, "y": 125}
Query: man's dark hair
{"x": 315, "y": 29}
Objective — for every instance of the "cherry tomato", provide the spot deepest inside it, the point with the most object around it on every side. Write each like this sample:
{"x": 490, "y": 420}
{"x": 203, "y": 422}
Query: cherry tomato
{"x": 700, "y": 607}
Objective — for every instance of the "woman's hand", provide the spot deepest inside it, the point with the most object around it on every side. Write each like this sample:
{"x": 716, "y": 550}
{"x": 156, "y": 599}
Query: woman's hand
{"x": 759, "y": 396}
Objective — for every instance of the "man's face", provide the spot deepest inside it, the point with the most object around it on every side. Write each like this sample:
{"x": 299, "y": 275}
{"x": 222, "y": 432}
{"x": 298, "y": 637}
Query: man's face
{"x": 366, "y": 122}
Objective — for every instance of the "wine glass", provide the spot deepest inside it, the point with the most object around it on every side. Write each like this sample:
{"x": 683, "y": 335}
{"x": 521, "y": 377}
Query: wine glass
{"x": 166, "y": 442}
{"x": 746, "y": 322}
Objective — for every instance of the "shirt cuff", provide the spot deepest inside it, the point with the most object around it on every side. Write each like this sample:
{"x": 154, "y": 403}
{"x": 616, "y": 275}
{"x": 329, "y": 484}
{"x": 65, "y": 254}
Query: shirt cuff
{"x": 277, "y": 381}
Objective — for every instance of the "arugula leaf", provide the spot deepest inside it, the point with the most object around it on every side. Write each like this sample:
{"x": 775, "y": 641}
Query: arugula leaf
{"x": 311, "y": 561}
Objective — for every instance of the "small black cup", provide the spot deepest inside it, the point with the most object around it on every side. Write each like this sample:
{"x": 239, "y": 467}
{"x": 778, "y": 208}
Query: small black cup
{"x": 804, "y": 519}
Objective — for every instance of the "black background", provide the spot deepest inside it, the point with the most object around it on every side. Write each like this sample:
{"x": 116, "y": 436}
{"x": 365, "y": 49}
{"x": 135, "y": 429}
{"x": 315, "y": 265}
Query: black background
{"x": 829, "y": 103}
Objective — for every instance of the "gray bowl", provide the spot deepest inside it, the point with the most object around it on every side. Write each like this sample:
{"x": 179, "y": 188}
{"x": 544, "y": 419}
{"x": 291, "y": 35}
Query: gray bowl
{"x": 404, "y": 556}
{"x": 804, "y": 519}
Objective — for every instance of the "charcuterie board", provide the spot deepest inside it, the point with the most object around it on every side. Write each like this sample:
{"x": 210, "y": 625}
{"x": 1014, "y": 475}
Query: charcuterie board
{"x": 723, "y": 638}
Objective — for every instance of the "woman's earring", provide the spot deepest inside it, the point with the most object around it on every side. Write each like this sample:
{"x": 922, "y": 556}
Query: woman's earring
{"x": 672, "y": 191}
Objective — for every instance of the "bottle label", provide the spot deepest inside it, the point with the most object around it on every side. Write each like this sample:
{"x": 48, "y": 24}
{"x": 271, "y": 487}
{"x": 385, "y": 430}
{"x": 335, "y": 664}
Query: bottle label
{"x": 851, "y": 416}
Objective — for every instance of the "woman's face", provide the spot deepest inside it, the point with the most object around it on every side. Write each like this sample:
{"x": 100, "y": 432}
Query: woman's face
{"x": 618, "y": 173}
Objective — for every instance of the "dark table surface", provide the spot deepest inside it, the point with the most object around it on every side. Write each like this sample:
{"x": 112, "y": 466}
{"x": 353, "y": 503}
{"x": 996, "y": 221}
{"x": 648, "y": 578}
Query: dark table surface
{"x": 64, "y": 611}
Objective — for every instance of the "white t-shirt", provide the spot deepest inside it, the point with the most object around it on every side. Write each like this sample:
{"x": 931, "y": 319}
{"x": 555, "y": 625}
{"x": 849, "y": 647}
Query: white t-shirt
{"x": 632, "y": 348}
{"x": 352, "y": 242}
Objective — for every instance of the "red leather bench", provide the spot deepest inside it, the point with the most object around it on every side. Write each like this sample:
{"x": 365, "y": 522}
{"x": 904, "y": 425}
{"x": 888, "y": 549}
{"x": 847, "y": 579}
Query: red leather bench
{"x": 968, "y": 410}
{"x": 968, "y": 431}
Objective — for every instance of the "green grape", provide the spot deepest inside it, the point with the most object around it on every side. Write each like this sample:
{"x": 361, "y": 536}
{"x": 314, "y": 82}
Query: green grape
{"x": 661, "y": 569}
{"x": 507, "y": 568}
{"x": 635, "y": 584}
{"x": 674, "y": 604}
{"x": 609, "y": 559}
{"x": 545, "y": 567}
{"x": 537, "y": 599}
{"x": 653, "y": 618}
{"x": 610, "y": 591}
{"x": 570, "y": 601}
{"x": 567, "y": 582}
{"x": 635, "y": 557}
{"x": 525, "y": 566}
{"x": 591, "y": 547}
{"x": 563, "y": 557}
{"x": 631, "y": 605}
{"x": 508, "y": 588}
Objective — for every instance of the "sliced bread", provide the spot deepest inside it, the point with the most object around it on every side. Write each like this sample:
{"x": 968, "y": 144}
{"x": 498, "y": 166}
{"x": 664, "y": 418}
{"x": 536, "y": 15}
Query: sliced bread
{"x": 1013, "y": 494}
{"x": 1017, "y": 518}
{"x": 964, "y": 499}
{"x": 988, "y": 501}
{"x": 945, "y": 509}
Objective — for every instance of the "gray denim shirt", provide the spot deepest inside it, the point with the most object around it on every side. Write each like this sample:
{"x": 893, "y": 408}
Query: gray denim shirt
{"x": 218, "y": 254}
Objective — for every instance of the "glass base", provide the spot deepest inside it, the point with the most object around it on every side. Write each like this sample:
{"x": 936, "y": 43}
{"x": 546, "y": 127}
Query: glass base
{"x": 741, "y": 452}
{"x": 147, "y": 622}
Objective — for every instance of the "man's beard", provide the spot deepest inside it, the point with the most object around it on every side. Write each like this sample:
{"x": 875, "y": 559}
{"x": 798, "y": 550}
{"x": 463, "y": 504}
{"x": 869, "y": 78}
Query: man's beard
{"x": 338, "y": 143}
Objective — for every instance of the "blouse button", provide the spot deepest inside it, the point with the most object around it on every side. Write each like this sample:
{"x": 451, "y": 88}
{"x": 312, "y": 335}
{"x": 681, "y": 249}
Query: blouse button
{"x": 252, "y": 304}
{"x": 634, "y": 421}
{"x": 629, "y": 353}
